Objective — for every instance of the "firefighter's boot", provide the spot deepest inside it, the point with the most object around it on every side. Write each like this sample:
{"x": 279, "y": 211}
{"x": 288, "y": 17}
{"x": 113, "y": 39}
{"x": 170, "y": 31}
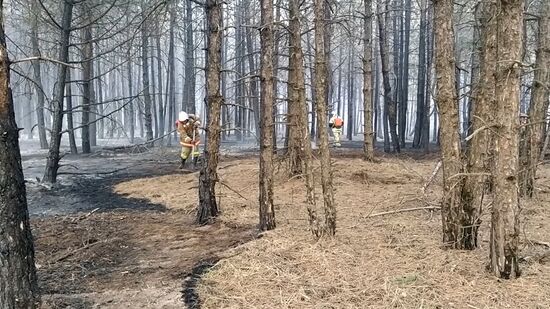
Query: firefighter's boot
{"x": 182, "y": 164}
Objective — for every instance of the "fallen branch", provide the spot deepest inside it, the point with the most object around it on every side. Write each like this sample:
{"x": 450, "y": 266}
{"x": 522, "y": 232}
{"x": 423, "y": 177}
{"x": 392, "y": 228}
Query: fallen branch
{"x": 403, "y": 210}
{"x": 233, "y": 190}
{"x": 436, "y": 170}
{"x": 73, "y": 252}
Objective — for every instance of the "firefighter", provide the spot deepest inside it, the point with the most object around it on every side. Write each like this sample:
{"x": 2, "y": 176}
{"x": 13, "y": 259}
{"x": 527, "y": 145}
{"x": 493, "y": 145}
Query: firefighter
{"x": 188, "y": 129}
{"x": 336, "y": 123}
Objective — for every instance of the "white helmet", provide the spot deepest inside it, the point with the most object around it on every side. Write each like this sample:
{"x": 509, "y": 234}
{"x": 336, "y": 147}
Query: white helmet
{"x": 183, "y": 116}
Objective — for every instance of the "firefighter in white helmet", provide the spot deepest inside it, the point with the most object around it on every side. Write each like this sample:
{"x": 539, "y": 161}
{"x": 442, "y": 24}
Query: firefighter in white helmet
{"x": 188, "y": 130}
{"x": 336, "y": 123}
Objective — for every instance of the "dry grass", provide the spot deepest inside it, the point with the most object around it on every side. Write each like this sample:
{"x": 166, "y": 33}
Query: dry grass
{"x": 392, "y": 261}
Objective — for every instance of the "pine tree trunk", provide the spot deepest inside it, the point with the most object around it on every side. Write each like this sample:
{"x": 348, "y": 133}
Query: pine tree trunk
{"x": 534, "y": 131}
{"x": 478, "y": 160}
{"x": 52, "y": 162}
{"x": 129, "y": 117}
{"x": 389, "y": 103}
{"x": 18, "y": 281}
{"x": 162, "y": 111}
{"x": 405, "y": 75}
{"x": 70, "y": 122}
{"x": 328, "y": 227}
{"x": 100, "y": 107}
{"x": 295, "y": 119}
{"x": 421, "y": 84}
{"x": 145, "y": 73}
{"x": 189, "y": 83}
{"x": 37, "y": 75}
{"x": 505, "y": 214}
{"x": 172, "y": 69}
{"x": 368, "y": 134}
{"x": 267, "y": 211}
{"x": 446, "y": 98}
{"x": 208, "y": 207}
{"x": 351, "y": 99}
{"x": 87, "y": 72}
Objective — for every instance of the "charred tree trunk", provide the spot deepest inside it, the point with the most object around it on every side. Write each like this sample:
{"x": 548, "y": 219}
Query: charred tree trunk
{"x": 446, "y": 98}
{"x": 18, "y": 281}
{"x": 208, "y": 207}
{"x": 421, "y": 85}
{"x": 505, "y": 215}
{"x": 328, "y": 227}
{"x": 162, "y": 111}
{"x": 351, "y": 98}
{"x": 368, "y": 146}
{"x": 267, "y": 210}
{"x": 172, "y": 69}
{"x": 70, "y": 123}
{"x": 37, "y": 74}
{"x": 145, "y": 73}
{"x": 389, "y": 104}
{"x": 52, "y": 162}
{"x": 129, "y": 117}
{"x": 405, "y": 71}
{"x": 190, "y": 81}
{"x": 534, "y": 131}
{"x": 87, "y": 72}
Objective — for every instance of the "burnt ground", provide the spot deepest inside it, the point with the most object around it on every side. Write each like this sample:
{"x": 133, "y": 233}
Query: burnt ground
{"x": 98, "y": 248}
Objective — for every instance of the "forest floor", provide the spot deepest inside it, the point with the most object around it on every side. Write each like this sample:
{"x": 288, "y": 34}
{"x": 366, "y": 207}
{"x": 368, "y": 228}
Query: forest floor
{"x": 119, "y": 233}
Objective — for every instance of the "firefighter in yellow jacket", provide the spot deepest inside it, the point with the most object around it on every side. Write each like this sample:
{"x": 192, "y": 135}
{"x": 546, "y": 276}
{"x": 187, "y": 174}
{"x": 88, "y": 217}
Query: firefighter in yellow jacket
{"x": 188, "y": 130}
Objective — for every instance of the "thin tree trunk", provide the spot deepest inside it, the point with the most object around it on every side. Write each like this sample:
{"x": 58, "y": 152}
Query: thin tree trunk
{"x": 534, "y": 132}
{"x": 100, "y": 107}
{"x": 421, "y": 85}
{"x": 389, "y": 104}
{"x": 254, "y": 100}
{"x": 37, "y": 74}
{"x": 145, "y": 73}
{"x": 267, "y": 210}
{"x": 129, "y": 118}
{"x": 87, "y": 72}
{"x": 189, "y": 84}
{"x": 351, "y": 99}
{"x": 328, "y": 227}
{"x": 70, "y": 126}
{"x": 162, "y": 112}
{"x": 368, "y": 134}
{"x": 18, "y": 280}
{"x": 505, "y": 213}
{"x": 405, "y": 76}
{"x": 52, "y": 162}
{"x": 172, "y": 69}
{"x": 208, "y": 207}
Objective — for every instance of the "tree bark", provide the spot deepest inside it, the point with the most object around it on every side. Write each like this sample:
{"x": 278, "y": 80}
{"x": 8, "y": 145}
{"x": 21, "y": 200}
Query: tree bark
{"x": 52, "y": 162}
{"x": 296, "y": 94}
{"x": 87, "y": 72}
{"x": 446, "y": 98}
{"x": 368, "y": 134}
{"x": 267, "y": 210}
{"x": 389, "y": 103}
{"x": 208, "y": 207}
{"x": 145, "y": 73}
{"x": 70, "y": 123}
{"x": 129, "y": 117}
{"x": 421, "y": 84}
{"x": 505, "y": 215}
{"x": 189, "y": 84}
{"x": 18, "y": 281}
{"x": 405, "y": 71}
{"x": 37, "y": 74}
{"x": 172, "y": 68}
{"x": 328, "y": 227}
{"x": 478, "y": 156}
{"x": 535, "y": 129}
